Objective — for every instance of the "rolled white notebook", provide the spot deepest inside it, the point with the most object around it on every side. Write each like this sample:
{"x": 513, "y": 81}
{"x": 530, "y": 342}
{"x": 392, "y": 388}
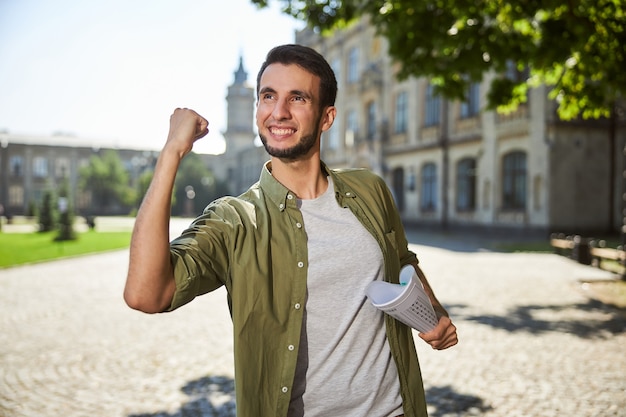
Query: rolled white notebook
{"x": 406, "y": 302}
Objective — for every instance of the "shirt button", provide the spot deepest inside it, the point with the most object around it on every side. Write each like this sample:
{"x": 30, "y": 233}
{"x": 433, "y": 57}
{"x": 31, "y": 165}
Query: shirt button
{"x": 281, "y": 206}
{"x": 284, "y": 389}
{"x": 297, "y": 306}
{"x": 299, "y": 225}
{"x": 300, "y": 264}
{"x": 348, "y": 194}
{"x": 291, "y": 347}
{"x": 289, "y": 197}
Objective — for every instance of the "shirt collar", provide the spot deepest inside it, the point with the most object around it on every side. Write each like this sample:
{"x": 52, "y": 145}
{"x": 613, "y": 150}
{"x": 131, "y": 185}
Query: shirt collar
{"x": 281, "y": 195}
{"x": 273, "y": 189}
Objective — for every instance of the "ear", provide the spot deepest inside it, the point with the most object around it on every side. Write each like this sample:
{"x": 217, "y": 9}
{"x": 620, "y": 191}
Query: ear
{"x": 328, "y": 117}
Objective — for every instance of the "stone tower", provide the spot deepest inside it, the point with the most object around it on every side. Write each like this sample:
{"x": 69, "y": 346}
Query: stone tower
{"x": 239, "y": 132}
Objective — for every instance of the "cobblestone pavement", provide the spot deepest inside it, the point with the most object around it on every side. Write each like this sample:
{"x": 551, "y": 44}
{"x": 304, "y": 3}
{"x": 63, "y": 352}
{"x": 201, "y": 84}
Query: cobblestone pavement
{"x": 531, "y": 342}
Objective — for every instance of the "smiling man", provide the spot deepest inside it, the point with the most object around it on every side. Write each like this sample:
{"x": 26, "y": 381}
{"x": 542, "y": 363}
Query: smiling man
{"x": 295, "y": 253}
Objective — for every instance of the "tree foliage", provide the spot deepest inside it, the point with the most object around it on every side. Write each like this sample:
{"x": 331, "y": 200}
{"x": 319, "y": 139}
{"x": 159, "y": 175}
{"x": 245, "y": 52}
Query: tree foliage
{"x": 108, "y": 181}
{"x": 66, "y": 213}
{"x": 195, "y": 187}
{"x": 576, "y": 47}
{"x": 47, "y": 213}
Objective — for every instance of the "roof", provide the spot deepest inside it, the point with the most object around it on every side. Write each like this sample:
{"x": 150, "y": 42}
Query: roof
{"x": 63, "y": 140}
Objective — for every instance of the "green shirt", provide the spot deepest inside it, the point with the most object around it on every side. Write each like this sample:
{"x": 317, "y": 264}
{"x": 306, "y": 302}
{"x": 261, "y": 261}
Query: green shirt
{"x": 256, "y": 246}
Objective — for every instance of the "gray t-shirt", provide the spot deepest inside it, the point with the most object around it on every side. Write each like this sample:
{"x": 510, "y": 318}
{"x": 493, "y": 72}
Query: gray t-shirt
{"x": 345, "y": 366}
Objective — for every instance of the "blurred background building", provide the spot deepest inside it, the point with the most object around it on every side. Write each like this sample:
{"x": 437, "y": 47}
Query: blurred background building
{"x": 448, "y": 163}
{"x": 453, "y": 164}
{"x": 32, "y": 165}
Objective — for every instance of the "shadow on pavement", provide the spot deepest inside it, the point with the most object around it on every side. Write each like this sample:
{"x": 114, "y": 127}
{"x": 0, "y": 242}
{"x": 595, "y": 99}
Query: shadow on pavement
{"x": 214, "y": 396}
{"x": 589, "y": 320}
{"x": 467, "y": 240}
{"x": 445, "y": 401}
{"x": 210, "y": 396}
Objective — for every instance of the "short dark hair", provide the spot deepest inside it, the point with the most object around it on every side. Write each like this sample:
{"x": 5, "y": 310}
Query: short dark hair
{"x": 308, "y": 59}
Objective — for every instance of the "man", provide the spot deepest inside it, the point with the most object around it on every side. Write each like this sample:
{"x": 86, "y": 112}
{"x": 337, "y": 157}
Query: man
{"x": 295, "y": 253}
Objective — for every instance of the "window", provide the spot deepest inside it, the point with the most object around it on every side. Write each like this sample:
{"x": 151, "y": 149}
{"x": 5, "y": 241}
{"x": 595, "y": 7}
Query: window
{"x": 429, "y": 187}
{"x": 62, "y": 168}
{"x": 400, "y": 123}
{"x": 433, "y": 107}
{"x": 471, "y": 106}
{"x": 466, "y": 185}
{"x": 40, "y": 167}
{"x": 371, "y": 120}
{"x": 16, "y": 195}
{"x": 16, "y": 165}
{"x": 410, "y": 184}
{"x": 353, "y": 65}
{"x": 514, "y": 181}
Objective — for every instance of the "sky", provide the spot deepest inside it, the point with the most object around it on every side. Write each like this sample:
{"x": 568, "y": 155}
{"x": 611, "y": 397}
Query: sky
{"x": 114, "y": 70}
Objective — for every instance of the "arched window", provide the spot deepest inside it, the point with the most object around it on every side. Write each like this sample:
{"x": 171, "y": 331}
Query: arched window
{"x": 514, "y": 181}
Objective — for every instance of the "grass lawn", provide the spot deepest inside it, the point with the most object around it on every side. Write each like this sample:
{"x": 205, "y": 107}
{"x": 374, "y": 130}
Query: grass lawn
{"x": 23, "y": 248}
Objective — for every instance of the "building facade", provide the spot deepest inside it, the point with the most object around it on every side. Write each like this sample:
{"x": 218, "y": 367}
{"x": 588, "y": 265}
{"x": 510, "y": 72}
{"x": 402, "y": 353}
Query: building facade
{"x": 451, "y": 163}
{"x": 32, "y": 165}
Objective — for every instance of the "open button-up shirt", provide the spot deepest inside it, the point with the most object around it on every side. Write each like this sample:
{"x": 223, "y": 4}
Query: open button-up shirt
{"x": 256, "y": 246}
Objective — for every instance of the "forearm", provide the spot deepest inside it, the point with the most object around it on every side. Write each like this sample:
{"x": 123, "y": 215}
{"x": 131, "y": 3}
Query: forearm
{"x": 150, "y": 281}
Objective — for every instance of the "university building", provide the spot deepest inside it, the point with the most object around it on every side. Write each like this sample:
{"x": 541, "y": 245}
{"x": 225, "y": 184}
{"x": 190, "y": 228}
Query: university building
{"x": 451, "y": 163}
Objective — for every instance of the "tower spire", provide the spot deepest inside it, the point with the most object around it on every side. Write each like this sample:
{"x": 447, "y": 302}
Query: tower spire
{"x": 240, "y": 75}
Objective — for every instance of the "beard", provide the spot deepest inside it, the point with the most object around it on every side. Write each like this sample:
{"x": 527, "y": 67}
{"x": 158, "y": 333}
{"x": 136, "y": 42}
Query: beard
{"x": 297, "y": 151}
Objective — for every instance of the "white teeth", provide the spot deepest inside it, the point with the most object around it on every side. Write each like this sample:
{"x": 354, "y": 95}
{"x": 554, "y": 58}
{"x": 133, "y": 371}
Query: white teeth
{"x": 282, "y": 131}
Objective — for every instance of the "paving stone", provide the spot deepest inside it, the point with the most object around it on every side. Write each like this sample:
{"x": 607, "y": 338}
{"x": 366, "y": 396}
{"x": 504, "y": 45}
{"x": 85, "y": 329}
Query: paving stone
{"x": 531, "y": 342}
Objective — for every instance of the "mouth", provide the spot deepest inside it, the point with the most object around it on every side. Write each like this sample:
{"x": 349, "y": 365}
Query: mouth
{"x": 281, "y": 131}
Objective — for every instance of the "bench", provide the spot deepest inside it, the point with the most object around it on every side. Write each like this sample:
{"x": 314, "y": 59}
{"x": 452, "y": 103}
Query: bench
{"x": 587, "y": 252}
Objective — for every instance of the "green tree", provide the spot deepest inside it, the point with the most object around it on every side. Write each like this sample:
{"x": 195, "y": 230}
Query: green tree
{"x": 66, "y": 214}
{"x": 195, "y": 186}
{"x": 576, "y": 48}
{"x": 47, "y": 212}
{"x": 141, "y": 188}
{"x": 108, "y": 181}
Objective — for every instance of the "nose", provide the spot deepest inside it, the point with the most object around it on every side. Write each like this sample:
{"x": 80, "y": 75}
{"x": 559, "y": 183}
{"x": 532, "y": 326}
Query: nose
{"x": 281, "y": 110}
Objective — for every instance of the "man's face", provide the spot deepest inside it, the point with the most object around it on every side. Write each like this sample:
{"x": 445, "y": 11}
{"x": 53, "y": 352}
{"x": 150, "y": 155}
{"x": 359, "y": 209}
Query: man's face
{"x": 288, "y": 116}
